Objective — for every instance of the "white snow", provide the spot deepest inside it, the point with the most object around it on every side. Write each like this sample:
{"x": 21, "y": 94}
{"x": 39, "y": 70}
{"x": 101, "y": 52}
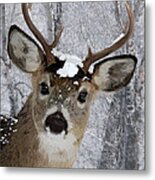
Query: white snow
{"x": 91, "y": 69}
{"x": 70, "y": 68}
{"x": 85, "y": 78}
{"x": 118, "y": 38}
{"x": 76, "y": 83}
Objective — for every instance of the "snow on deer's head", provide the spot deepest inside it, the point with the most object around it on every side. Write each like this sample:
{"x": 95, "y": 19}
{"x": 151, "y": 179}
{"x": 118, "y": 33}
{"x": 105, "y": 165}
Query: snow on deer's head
{"x": 61, "y": 103}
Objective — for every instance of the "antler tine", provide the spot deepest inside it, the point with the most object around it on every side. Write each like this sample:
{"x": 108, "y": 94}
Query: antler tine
{"x": 92, "y": 57}
{"x": 56, "y": 40}
{"x": 47, "y": 47}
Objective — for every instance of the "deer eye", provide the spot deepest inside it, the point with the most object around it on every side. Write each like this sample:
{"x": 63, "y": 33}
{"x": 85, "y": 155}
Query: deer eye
{"x": 82, "y": 96}
{"x": 44, "y": 88}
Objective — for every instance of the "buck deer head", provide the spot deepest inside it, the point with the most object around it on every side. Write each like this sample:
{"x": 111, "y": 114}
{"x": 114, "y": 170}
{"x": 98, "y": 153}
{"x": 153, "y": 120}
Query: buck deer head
{"x": 60, "y": 107}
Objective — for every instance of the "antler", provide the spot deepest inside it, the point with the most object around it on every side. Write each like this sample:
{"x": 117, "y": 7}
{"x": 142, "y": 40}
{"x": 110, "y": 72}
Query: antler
{"x": 92, "y": 57}
{"x": 47, "y": 47}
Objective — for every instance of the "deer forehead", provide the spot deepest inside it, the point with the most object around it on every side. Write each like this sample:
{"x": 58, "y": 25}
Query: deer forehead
{"x": 63, "y": 85}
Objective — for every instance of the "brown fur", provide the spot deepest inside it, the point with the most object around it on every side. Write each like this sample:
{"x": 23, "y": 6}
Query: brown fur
{"x": 23, "y": 148}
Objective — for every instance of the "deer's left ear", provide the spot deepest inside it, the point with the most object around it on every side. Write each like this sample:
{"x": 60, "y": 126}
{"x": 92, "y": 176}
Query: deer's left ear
{"x": 114, "y": 73}
{"x": 23, "y": 50}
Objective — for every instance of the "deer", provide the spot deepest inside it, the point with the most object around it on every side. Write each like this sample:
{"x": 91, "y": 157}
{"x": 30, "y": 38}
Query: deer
{"x": 53, "y": 121}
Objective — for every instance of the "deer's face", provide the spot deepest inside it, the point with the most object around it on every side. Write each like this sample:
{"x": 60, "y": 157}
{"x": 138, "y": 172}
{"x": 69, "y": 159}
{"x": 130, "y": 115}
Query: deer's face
{"x": 60, "y": 105}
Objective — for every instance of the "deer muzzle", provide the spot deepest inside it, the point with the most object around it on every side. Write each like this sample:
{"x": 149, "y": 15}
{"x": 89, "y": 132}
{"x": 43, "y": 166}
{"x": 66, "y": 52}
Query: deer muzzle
{"x": 56, "y": 123}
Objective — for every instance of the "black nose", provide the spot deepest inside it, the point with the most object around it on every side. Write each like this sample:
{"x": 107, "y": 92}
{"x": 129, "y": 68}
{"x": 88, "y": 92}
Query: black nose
{"x": 56, "y": 123}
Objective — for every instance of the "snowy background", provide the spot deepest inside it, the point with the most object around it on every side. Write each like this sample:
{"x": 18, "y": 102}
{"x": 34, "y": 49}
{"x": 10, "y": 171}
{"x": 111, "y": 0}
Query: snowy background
{"x": 115, "y": 134}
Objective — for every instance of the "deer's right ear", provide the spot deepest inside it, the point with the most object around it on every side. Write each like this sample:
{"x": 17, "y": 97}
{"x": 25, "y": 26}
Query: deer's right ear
{"x": 23, "y": 50}
{"x": 115, "y": 72}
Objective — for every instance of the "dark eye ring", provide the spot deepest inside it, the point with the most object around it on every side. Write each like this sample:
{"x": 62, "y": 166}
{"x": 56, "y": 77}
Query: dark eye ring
{"x": 44, "y": 90}
{"x": 82, "y": 96}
